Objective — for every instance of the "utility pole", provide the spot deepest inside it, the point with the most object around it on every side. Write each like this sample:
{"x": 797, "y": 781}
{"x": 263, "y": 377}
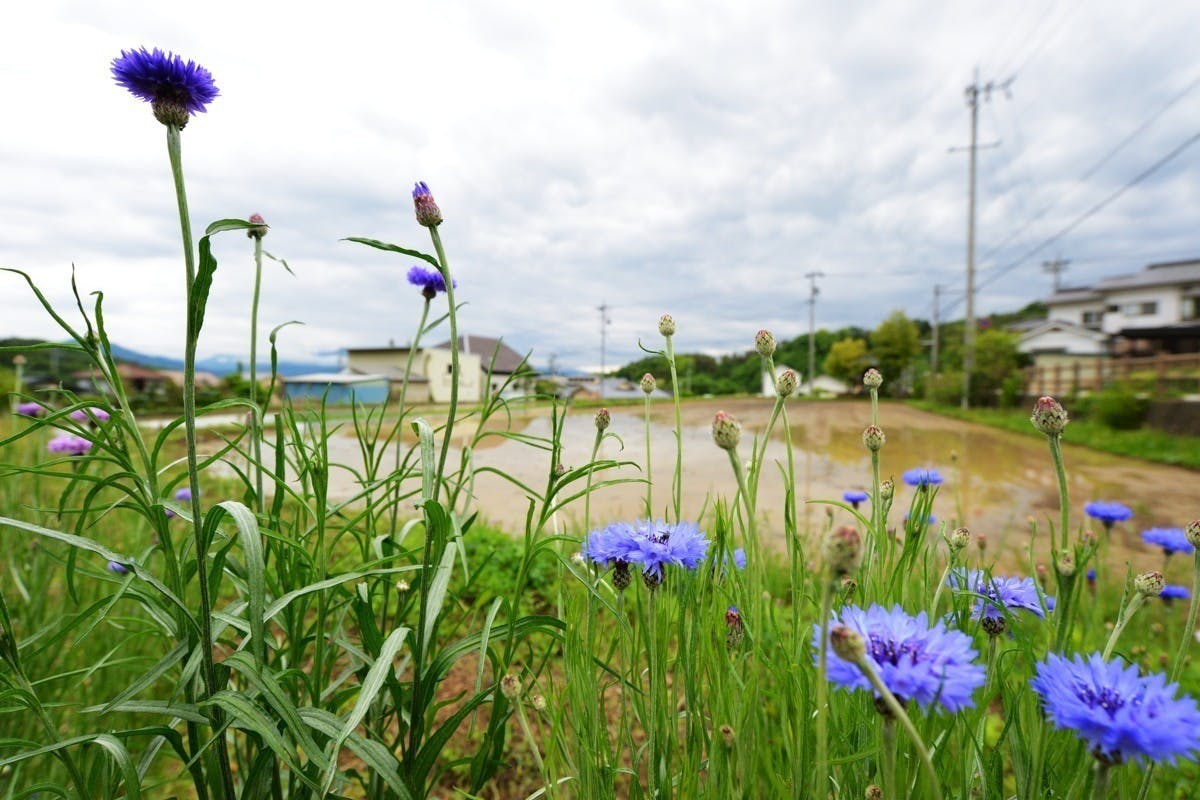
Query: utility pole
{"x": 813, "y": 291}
{"x": 605, "y": 321}
{"x": 937, "y": 315}
{"x": 973, "y": 93}
{"x": 1056, "y": 268}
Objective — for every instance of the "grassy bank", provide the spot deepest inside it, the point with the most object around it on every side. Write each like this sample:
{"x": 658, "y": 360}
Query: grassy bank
{"x": 1148, "y": 445}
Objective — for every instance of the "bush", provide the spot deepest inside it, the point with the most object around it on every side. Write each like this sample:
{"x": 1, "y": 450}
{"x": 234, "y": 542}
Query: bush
{"x": 1119, "y": 408}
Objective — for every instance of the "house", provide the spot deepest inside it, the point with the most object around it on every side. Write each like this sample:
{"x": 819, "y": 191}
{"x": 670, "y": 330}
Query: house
{"x": 431, "y": 376}
{"x": 1156, "y": 310}
{"x": 499, "y": 364}
{"x": 1055, "y": 342}
{"x": 136, "y": 379}
{"x": 823, "y": 385}
{"x": 336, "y": 388}
{"x": 589, "y": 388}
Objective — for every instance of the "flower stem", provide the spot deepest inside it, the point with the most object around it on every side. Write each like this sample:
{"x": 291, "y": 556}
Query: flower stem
{"x": 887, "y": 758}
{"x": 587, "y": 497}
{"x": 209, "y": 671}
{"x": 899, "y": 715}
{"x": 677, "y": 481}
{"x": 256, "y": 420}
{"x": 454, "y": 365}
{"x": 1103, "y": 774}
{"x": 1064, "y": 585}
{"x": 1122, "y": 620}
{"x": 821, "y": 774}
{"x": 649, "y": 476}
{"x": 408, "y": 365}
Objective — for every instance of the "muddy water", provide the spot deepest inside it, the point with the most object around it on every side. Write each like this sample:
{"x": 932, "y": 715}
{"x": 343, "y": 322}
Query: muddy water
{"x": 995, "y": 481}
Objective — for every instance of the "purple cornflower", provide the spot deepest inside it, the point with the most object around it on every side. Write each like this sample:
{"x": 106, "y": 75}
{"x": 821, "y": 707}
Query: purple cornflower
{"x": 1173, "y": 592}
{"x": 1107, "y": 512}
{"x": 739, "y": 558}
{"x": 855, "y": 496}
{"x": 69, "y": 444}
{"x": 652, "y": 545}
{"x": 429, "y": 281}
{"x": 1001, "y": 593}
{"x": 1119, "y": 714}
{"x": 428, "y": 213}
{"x": 30, "y": 409}
{"x": 1171, "y": 540}
{"x": 82, "y": 415}
{"x": 183, "y": 495}
{"x": 175, "y": 88}
{"x": 118, "y": 568}
{"x": 915, "y": 661}
{"x": 922, "y": 477}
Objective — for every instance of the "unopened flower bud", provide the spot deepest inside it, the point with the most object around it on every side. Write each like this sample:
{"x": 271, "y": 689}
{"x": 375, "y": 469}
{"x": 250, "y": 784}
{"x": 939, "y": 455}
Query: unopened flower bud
{"x": 727, "y": 735}
{"x": 993, "y": 626}
{"x": 1066, "y": 563}
{"x": 621, "y": 577}
{"x": 578, "y": 559}
{"x": 1048, "y": 416}
{"x": 764, "y": 343}
{"x": 849, "y": 586}
{"x": 873, "y": 793}
{"x": 538, "y": 702}
{"x": 873, "y": 438}
{"x": 786, "y": 383}
{"x": 957, "y": 539}
{"x": 1149, "y": 584}
{"x": 652, "y": 580}
{"x": 1192, "y": 532}
{"x": 666, "y": 325}
{"x": 872, "y": 379}
{"x": 648, "y": 383}
{"x": 118, "y": 568}
{"x": 726, "y": 431}
{"x": 510, "y": 686}
{"x": 848, "y": 644}
{"x": 428, "y": 214}
{"x": 981, "y": 542}
{"x": 1087, "y": 538}
{"x": 734, "y": 629}
{"x": 887, "y": 489}
{"x": 603, "y": 418}
{"x": 402, "y": 586}
{"x": 843, "y": 550}
{"x": 260, "y": 227}
{"x": 18, "y": 359}
{"x": 1042, "y": 572}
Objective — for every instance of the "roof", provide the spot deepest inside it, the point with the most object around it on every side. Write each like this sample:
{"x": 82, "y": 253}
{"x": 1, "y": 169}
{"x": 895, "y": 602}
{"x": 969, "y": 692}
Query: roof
{"x": 507, "y": 360}
{"x": 334, "y": 377}
{"x": 1063, "y": 325}
{"x": 1165, "y": 273}
{"x": 1073, "y": 294}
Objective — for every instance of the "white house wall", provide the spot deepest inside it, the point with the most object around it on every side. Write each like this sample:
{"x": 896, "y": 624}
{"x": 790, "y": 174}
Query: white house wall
{"x": 1061, "y": 341}
{"x": 1167, "y": 312}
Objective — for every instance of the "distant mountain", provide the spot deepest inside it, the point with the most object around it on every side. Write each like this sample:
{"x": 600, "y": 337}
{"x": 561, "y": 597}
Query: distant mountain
{"x": 218, "y": 365}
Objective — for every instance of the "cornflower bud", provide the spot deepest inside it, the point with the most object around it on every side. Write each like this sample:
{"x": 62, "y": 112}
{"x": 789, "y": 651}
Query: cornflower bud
{"x": 873, "y": 438}
{"x": 18, "y": 360}
{"x": 873, "y": 793}
{"x": 1149, "y": 584}
{"x": 993, "y": 626}
{"x": 849, "y": 586}
{"x": 957, "y": 539}
{"x": 734, "y": 629}
{"x": 886, "y": 489}
{"x": 1087, "y": 538}
{"x": 621, "y": 577}
{"x": 764, "y": 343}
{"x": 1048, "y": 416}
{"x": 260, "y": 227}
{"x": 726, "y": 431}
{"x": 118, "y": 568}
{"x": 510, "y": 686}
{"x": 872, "y": 379}
{"x": 666, "y": 325}
{"x": 981, "y": 542}
{"x": 539, "y": 702}
{"x": 1192, "y": 532}
{"x": 648, "y": 383}
{"x": 402, "y": 586}
{"x": 1066, "y": 563}
{"x": 428, "y": 214}
{"x": 727, "y": 735}
{"x": 848, "y": 644}
{"x": 603, "y": 418}
{"x": 843, "y": 551}
{"x": 786, "y": 383}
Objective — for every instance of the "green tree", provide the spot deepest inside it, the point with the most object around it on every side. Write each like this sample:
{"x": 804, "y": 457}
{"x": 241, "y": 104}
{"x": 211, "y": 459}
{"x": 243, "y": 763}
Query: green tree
{"x": 895, "y": 343}
{"x": 997, "y": 360}
{"x": 846, "y": 360}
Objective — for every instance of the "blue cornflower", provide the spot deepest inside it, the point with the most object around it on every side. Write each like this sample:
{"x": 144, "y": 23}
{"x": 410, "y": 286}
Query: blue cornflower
{"x": 1107, "y": 512}
{"x": 1171, "y": 540}
{"x": 1119, "y": 714}
{"x": 117, "y": 567}
{"x": 429, "y": 281}
{"x": 855, "y": 496}
{"x": 427, "y": 211}
{"x": 922, "y": 477}
{"x": 739, "y": 558}
{"x": 650, "y": 544}
{"x": 915, "y": 661}
{"x": 1001, "y": 593}
{"x": 1173, "y": 592}
{"x": 183, "y": 495}
{"x": 175, "y": 88}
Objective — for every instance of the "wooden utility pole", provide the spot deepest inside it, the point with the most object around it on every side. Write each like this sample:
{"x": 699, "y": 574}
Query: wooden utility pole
{"x": 1056, "y": 267}
{"x": 813, "y": 291}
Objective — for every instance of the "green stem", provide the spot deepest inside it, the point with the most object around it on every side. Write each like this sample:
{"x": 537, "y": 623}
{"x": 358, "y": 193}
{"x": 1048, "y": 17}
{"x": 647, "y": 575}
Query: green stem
{"x": 408, "y": 365}
{"x": 1188, "y": 631}
{"x": 209, "y": 671}
{"x": 1064, "y": 585}
{"x": 677, "y": 482}
{"x": 899, "y": 715}
{"x": 1103, "y": 775}
{"x": 454, "y": 365}
{"x": 933, "y": 607}
{"x": 1122, "y": 620}
{"x": 533, "y": 747}
{"x": 256, "y": 421}
{"x": 822, "y": 776}
{"x": 887, "y": 758}
{"x": 649, "y": 476}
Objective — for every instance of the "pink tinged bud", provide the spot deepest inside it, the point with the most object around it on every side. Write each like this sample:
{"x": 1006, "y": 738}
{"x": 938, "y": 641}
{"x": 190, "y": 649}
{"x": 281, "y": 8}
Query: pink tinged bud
{"x": 848, "y": 644}
{"x": 1192, "y": 532}
{"x": 843, "y": 551}
{"x": 648, "y": 383}
{"x": 886, "y": 489}
{"x": 874, "y": 793}
{"x": 981, "y": 542}
{"x": 427, "y": 211}
{"x": 872, "y": 379}
{"x": 873, "y": 438}
{"x": 1048, "y": 416}
{"x": 260, "y": 227}
{"x": 666, "y": 325}
{"x": 1149, "y": 584}
{"x": 18, "y": 359}
{"x": 603, "y": 419}
{"x": 726, "y": 431}
{"x": 728, "y": 736}
{"x": 764, "y": 343}
{"x": 786, "y": 383}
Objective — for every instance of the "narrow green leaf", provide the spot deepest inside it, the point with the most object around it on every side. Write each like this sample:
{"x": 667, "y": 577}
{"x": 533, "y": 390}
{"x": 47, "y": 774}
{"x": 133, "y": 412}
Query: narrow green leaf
{"x": 437, "y": 591}
{"x": 394, "y": 248}
{"x": 229, "y": 225}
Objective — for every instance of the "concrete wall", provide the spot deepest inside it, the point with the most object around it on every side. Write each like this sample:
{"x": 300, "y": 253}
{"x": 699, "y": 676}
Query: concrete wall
{"x": 436, "y": 365}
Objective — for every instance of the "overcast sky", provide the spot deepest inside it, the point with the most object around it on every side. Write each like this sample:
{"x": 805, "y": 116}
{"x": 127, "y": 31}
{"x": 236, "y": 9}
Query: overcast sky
{"x": 688, "y": 157}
